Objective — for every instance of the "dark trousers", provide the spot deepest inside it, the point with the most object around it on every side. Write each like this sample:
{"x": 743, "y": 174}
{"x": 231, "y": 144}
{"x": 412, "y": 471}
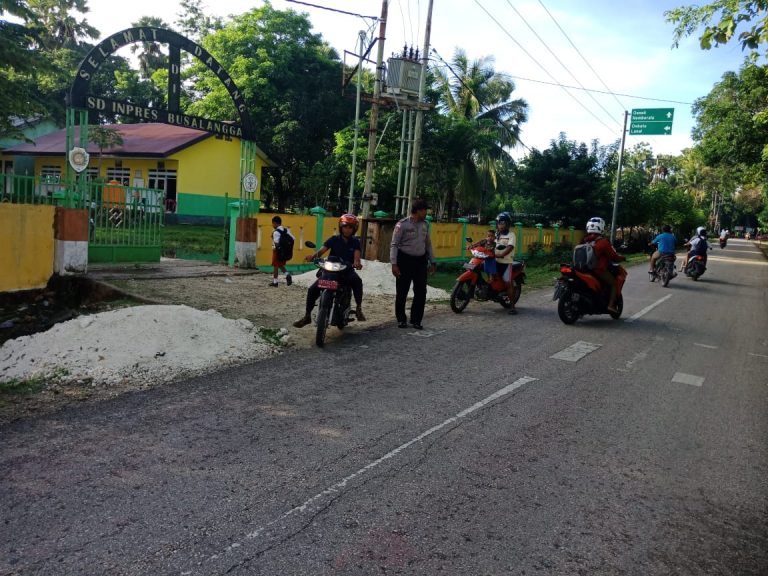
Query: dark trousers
{"x": 412, "y": 269}
{"x": 355, "y": 282}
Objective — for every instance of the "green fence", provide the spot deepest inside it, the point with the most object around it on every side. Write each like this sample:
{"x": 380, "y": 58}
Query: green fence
{"x": 125, "y": 222}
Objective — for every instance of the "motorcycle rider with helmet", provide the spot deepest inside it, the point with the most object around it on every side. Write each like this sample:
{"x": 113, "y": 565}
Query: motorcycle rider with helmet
{"x": 698, "y": 246}
{"x": 605, "y": 253}
{"x": 505, "y": 257}
{"x": 346, "y": 246}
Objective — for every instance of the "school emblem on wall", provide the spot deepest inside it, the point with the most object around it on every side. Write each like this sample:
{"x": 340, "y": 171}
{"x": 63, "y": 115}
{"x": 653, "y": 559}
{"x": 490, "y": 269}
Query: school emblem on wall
{"x": 78, "y": 158}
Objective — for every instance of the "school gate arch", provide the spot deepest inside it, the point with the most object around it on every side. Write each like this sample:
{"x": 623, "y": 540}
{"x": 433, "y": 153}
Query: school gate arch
{"x": 81, "y": 102}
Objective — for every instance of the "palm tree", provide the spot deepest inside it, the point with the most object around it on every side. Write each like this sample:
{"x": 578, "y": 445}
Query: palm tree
{"x": 151, "y": 57}
{"x": 473, "y": 92}
{"x": 105, "y": 137}
{"x": 61, "y": 29}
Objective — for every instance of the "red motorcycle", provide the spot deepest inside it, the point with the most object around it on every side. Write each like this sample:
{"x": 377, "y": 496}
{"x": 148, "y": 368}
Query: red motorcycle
{"x": 579, "y": 293}
{"x": 479, "y": 280}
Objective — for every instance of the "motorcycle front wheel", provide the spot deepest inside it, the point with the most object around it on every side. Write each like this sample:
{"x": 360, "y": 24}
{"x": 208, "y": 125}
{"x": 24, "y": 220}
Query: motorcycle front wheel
{"x": 619, "y": 308}
{"x": 323, "y": 317}
{"x": 460, "y": 296}
{"x": 567, "y": 309}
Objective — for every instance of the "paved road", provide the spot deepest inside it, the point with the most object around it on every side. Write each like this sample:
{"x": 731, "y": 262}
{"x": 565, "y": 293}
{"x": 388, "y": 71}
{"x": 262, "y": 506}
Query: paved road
{"x": 485, "y": 445}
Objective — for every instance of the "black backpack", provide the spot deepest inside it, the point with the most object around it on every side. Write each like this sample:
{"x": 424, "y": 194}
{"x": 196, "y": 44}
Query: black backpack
{"x": 285, "y": 245}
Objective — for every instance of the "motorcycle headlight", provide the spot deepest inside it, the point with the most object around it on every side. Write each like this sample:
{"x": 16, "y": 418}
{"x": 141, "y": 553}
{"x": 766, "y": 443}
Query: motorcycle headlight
{"x": 333, "y": 266}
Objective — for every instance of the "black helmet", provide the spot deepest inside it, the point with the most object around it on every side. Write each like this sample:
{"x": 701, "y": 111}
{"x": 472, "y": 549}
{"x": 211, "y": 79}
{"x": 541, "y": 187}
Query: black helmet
{"x": 504, "y": 217}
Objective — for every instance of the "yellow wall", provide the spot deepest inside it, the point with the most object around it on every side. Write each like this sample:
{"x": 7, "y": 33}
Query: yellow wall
{"x": 26, "y": 246}
{"x": 212, "y": 168}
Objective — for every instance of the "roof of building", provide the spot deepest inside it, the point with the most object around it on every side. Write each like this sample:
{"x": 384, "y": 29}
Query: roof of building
{"x": 139, "y": 140}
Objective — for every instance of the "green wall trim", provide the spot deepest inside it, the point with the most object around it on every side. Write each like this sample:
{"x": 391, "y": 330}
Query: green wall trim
{"x": 202, "y": 205}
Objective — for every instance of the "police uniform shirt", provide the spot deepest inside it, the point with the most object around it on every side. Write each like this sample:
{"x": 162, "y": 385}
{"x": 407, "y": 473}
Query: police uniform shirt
{"x": 412, "y": 238}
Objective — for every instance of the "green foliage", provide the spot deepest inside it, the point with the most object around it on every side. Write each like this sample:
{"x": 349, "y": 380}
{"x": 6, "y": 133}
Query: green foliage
{"x": 565, "y": 183}
{"x": 720, "y": 20}
{"x": 198, "y": 239}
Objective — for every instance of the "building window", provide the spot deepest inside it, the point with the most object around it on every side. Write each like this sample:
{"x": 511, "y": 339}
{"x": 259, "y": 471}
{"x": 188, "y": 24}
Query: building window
{"x": 50, "y": 173}
{"x": 121, "y": 175}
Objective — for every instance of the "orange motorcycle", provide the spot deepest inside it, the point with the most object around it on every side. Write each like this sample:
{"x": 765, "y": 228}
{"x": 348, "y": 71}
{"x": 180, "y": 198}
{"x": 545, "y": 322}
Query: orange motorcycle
{"x": 480, "y": 281}
{"x": 579, "y": 293}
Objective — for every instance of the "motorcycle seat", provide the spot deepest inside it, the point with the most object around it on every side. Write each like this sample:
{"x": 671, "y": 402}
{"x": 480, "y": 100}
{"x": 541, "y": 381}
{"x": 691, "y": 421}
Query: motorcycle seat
{"x": 517, "y": 265}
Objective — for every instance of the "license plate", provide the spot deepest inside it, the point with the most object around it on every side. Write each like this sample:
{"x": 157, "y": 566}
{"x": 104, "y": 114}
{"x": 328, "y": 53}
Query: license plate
{"x": 330, "y": 284}
{"x": 558, "y": 291}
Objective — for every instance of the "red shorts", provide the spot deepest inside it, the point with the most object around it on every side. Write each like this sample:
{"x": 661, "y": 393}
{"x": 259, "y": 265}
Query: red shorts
{"x": 275, "y": 262}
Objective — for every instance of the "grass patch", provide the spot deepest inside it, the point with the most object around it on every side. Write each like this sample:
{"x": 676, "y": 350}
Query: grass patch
{"x": 271, "y": 336}
{"x": 187, "y": 238}
{"x": 30, "y": 386}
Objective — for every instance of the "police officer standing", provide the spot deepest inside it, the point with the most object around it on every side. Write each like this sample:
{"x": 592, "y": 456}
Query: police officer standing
{"x": 411, "y": 254}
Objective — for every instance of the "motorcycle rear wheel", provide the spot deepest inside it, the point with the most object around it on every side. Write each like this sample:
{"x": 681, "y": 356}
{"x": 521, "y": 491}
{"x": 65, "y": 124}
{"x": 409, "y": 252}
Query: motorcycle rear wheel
{"x": 460, "y": 296}
{"x": 665, "y": 277}
{"x": 567, "y": 309}
{"x": 323, "y": 316}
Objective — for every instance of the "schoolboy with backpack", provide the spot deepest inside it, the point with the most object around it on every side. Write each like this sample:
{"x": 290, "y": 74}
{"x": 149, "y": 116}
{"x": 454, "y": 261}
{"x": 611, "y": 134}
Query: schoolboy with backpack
{"x": 282, "y": 250}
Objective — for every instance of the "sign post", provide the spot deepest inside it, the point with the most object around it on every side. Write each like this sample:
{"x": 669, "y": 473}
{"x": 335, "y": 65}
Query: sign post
{"x": 651, "y": 121}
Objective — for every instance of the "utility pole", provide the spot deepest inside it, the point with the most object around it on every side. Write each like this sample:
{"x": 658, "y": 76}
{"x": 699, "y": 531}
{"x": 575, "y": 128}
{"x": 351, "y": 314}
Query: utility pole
{"x": 420, "y": 112}
{"x": 372, "y": 130}
{"x": 351, "y": 205}
{"x": 618, "y": 179}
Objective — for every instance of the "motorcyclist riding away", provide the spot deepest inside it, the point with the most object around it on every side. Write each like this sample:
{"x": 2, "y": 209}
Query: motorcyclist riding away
{"x": 698, "y": 246}
{"x": 665, "y": 244}
{"x": 605, "y": 254}
{"x": 347, "y": 247}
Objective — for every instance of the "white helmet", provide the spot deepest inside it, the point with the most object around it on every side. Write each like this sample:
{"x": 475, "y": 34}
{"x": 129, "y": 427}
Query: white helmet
{"x": 701, "y": 230}
{"x": 595, "y": 226}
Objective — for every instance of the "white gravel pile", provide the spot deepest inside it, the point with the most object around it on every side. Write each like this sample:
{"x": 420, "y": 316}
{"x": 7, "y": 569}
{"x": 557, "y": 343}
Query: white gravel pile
{"x": 155, "y": 343}
{"x": 377, "y": 279}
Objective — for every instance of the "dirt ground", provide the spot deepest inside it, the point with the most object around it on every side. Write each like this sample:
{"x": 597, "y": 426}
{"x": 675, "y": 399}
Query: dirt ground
{"x": 234, "y": 294}
{"x": 252, "y": 298}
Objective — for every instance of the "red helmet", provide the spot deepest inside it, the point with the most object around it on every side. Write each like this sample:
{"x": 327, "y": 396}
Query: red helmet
{"x": 350, "y": 219}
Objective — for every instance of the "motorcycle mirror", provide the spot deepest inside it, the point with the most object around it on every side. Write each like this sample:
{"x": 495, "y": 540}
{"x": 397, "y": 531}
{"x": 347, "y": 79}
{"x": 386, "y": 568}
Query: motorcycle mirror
{"x": 468, "y": 239}
{"x": 309, "y": 244}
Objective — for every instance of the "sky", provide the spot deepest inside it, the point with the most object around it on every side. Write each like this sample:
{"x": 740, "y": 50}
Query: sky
{"x": 620, "y": 52}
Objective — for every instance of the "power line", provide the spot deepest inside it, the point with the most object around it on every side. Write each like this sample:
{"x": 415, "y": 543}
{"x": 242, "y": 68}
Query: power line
{"x": 582, "y": 56}
{"x": 595, "y": 90}
{"x": 595, "y": 100}
{"x": 579, "y": 102}
{"x": 331, "y": 9}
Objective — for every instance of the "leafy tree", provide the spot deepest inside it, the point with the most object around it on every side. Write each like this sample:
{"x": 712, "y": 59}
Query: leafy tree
{"x": 19, "y": 66}
{"x": 290, "y": 80}
{"x": 565, "y": 182}
{"x": 473, "y": 92}
{"x": 720, "y": 20}
{"x": 105, "y": 137}
{"x": 194, "y": 22}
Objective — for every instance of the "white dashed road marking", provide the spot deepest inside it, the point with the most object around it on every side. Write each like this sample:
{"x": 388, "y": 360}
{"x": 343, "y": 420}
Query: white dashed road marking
{"x": 576, "y": 352}
{"x": 758, "y": 355}
{"x": 648, "y": 308}
{"x": 682, "y": 378}
{"x": 705, "y": 346}
{"x": 318, "y": 501}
